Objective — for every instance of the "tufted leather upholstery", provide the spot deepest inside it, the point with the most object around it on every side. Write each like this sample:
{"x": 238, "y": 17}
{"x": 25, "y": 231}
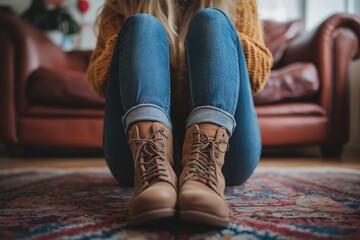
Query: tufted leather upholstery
{"x": 291, "y": 82}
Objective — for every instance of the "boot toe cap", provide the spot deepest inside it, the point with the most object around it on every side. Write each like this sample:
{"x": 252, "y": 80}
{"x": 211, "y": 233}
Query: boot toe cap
{"x": 198, "y": 197}
{"x": 160, "y": 195}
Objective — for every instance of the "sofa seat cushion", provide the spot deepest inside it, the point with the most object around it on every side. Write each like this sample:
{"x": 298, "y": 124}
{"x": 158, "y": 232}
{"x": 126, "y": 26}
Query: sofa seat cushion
{"x": 297, "y": 81}
{"x": 291, "y": 109}
{"x": 65, "y": 89}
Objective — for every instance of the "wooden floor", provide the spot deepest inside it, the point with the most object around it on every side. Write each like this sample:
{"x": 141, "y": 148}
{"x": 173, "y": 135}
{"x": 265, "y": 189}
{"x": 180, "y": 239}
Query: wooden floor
{"x": 290, "y": 158}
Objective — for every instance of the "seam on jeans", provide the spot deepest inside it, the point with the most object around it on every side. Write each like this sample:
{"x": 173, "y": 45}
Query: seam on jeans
{"x": 189, "y": 75}
{"x": 120, "y": 72}
{"x": 242, "y": 66}
{"x": 119, "y": 44}
{"x": 167, "y": 106}
{"x": 259, "y": 134}
{"x": 236, "y": 40}
{"x": 237, "y": 75}
{"x": 168, "y": 103}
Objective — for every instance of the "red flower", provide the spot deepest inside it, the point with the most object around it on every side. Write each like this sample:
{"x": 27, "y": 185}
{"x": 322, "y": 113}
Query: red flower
{"x": 56, "y": 2}
{"x": 83, "y": 6}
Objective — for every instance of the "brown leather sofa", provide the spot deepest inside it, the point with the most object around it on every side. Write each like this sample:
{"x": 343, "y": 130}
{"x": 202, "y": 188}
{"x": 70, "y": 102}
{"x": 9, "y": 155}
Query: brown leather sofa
{"x": 45, "y": 101}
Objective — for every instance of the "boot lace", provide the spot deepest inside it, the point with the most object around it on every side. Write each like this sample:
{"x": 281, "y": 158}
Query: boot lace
{"x": 205, "y": 153}
{"x": 150, "y": 159}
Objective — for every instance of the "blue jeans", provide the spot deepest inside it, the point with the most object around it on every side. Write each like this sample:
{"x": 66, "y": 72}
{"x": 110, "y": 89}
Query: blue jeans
{"x": 138, "y": 89}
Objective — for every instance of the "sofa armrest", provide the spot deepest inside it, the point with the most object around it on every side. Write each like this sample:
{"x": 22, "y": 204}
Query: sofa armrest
{"x": 80, "y": 57}
{"x": 7, "y": 94}
{"x": 32, "y": 50}
{"x": 331, "y": 47}
{"x": 338, "y": 35}
{"x": 23, "y": 50}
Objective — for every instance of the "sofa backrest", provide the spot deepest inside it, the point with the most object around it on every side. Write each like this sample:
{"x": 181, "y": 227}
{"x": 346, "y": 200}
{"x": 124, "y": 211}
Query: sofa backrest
{"x": 278, "y": 36}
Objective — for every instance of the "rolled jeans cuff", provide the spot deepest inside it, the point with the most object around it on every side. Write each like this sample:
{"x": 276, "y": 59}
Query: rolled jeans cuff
{"x": 214, "y": 115}
{"x": 145, "y": 112}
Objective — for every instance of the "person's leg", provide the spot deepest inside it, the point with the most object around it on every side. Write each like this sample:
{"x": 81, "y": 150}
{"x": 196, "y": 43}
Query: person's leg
{"x": 221, "y": 107}
{"x": 245, "y": 143}
{"x": 137, "y": 129}
{"x": 144, "y": 71}
{"x": 221, "y": 92}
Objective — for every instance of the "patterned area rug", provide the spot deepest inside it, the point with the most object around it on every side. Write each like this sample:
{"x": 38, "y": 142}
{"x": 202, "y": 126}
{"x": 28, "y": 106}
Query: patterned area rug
{"x": 304, "y": 203}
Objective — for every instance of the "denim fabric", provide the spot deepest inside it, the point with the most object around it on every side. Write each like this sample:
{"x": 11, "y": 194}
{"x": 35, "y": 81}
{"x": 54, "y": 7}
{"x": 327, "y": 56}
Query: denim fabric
{"x": 139, "y": 79}
{"x": 145, "y": 70}
{"x": 213, "y": 68}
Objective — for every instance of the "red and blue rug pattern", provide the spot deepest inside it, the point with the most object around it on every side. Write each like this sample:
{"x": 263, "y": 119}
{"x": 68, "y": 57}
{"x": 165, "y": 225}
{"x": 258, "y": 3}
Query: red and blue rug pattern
{"x": 306, "y": 203}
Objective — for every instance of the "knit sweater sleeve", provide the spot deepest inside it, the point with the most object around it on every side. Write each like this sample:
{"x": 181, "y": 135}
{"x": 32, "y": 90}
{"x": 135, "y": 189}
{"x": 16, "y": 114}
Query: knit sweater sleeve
{"x": 101, "y": 57}
{"x": 258, "y": 57}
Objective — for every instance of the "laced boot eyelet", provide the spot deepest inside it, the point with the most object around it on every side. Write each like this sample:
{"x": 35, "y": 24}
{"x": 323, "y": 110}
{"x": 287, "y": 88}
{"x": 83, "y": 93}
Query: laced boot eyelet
{"x": 162, "y": 139}
{"x": 162, "y": 131}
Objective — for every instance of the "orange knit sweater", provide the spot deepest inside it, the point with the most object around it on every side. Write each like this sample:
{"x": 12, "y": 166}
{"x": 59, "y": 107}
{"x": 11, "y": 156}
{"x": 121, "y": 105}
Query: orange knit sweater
{"x": 258, "y": 57}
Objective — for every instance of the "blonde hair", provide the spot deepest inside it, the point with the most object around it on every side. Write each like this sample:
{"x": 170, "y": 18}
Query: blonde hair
{"x": 163, "y": 10}
{"x": 175, "y": 16}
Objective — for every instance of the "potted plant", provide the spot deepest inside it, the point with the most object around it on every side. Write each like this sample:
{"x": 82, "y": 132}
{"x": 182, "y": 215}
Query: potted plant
{"x": 54, "y": 18}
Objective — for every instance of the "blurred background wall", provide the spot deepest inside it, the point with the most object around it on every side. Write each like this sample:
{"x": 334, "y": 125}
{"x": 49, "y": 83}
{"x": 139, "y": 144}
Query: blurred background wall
{"x": 311, "y": 11}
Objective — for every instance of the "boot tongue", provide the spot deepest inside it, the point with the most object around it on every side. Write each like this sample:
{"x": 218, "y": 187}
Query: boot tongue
{"x": 209, "y": 129}
{"x": 215, "y": 133}
{"x": 156, "y": 127}
{"x": 145, "y": 130}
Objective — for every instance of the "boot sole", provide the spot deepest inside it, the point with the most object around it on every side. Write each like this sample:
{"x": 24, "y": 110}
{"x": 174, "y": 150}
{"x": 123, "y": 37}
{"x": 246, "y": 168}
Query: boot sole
{"x": 204, "y": 218}
{"x": 151, "y": 216}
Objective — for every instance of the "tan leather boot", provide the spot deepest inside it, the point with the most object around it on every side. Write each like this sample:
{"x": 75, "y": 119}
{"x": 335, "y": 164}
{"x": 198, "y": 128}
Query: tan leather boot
{"x": 201, "y": 183}
{"x": 155, "y": 190}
